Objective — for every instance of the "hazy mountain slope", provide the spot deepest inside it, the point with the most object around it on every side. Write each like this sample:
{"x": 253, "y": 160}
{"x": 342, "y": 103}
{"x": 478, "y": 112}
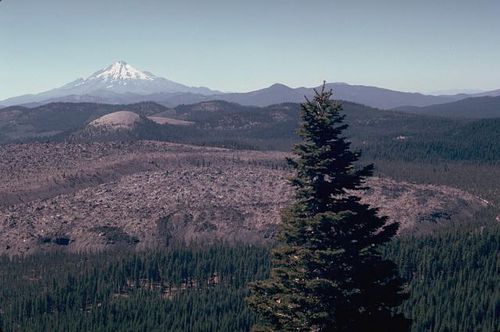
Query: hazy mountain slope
{"x": 493, "y": 93}
{"x": 473, "y": 108}
{"x": 385, "y": 98}
{"x": 366, "y": 95}
{"x": 275, "y": 94}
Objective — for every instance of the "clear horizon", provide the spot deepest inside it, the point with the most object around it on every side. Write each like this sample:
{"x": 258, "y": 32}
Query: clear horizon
{"x": 238, "y": 46}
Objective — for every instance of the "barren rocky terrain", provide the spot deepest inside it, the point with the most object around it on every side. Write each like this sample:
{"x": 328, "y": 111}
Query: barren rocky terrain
{"x": 87, "y": 197}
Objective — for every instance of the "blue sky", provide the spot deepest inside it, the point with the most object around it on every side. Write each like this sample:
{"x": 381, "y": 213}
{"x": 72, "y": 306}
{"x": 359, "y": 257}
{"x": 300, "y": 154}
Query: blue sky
{"x": 233, "y": 45}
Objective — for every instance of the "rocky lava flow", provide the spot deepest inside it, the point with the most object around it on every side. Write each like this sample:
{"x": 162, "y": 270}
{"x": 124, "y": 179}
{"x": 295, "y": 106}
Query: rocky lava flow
{"x": 88, "y": 197}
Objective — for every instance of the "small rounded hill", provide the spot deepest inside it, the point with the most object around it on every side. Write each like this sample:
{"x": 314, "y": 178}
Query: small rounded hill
{"x": 117, "y": 120}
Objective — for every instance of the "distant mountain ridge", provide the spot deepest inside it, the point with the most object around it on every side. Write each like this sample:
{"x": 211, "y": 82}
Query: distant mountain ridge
{"x": 472, "y": 108}
{"x": 121, "y": 83}
{"x": 360, "y": 94}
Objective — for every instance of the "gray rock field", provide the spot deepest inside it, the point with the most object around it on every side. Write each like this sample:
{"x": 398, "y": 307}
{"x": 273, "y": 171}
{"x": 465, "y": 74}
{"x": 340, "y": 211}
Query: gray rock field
{"x": 91, "y": 197}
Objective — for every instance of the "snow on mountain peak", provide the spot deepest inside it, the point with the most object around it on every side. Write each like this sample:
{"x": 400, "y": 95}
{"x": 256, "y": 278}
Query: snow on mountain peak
{"x": 114, "y": 84}
{"x": 121, "y": 70}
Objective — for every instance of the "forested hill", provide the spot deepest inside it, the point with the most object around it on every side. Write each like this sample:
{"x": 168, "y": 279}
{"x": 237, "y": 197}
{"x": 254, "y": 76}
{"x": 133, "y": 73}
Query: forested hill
{"x": 472, "y": 108}
{"x": 381, "y": 134}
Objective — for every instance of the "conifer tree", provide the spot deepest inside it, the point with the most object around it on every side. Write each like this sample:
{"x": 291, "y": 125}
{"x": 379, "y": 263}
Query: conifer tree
{"x": 327, "y": 272}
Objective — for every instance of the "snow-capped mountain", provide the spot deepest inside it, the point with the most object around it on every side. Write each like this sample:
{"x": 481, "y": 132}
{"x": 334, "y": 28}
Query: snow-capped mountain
{"x": 121, "y": 71}
{"x": 115, "y": 82}
{"x": 121, "y": 77}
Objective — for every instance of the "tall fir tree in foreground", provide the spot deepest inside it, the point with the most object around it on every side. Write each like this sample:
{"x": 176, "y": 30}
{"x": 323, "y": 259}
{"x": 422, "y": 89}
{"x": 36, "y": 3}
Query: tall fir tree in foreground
{"x": 327, "y": 273}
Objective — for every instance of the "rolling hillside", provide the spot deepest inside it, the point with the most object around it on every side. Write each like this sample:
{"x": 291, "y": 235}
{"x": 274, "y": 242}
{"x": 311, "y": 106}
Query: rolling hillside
{"x": 471, "y": 108}
{"x": 381, "y": 134}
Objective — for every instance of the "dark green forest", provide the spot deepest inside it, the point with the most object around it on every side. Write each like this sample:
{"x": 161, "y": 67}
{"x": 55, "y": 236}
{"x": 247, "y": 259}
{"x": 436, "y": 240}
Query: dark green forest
{"x": 453, "y": 279}
{"x": 381, "y": 134}
{"x": 387, "y": 135}
{"x": 452, "y": 276}
{"x": 481, "y": 179}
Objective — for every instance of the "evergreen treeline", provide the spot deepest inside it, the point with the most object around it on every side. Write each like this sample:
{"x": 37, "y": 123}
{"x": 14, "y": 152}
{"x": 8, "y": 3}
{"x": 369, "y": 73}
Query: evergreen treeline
{"x": 453, "y": 279}
{"x": 475, "y": 141}
{"x": 195, "y": 289}
{"x": 480, "y": 179}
